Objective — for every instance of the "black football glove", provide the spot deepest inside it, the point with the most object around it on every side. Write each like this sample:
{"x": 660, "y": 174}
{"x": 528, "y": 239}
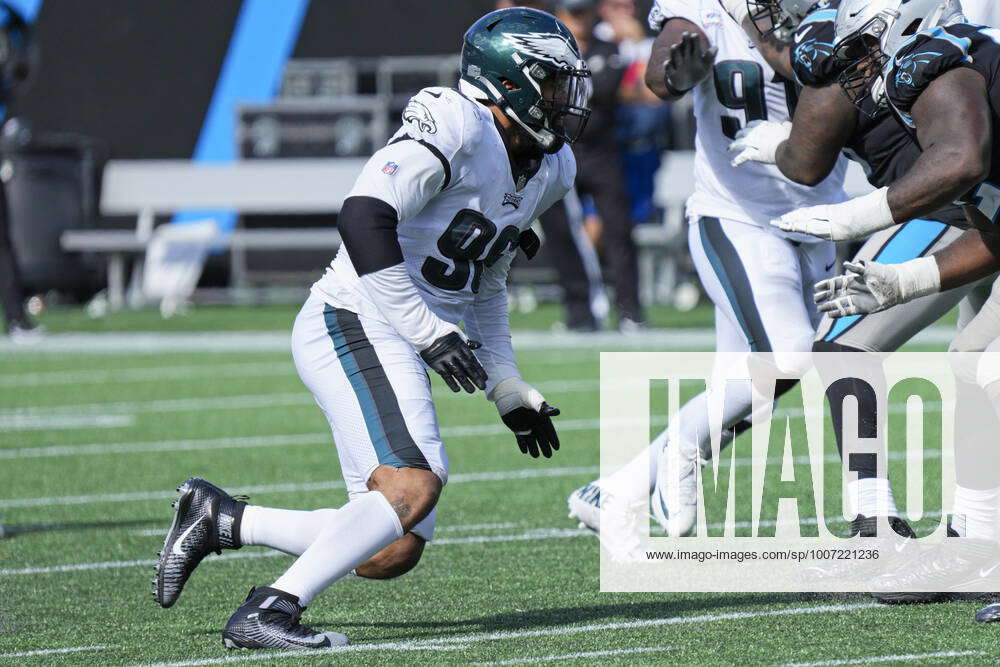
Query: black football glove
{"x": 451, "y": 357}
{"x": 688, "y": 65}
{"x": 525, "y": 412}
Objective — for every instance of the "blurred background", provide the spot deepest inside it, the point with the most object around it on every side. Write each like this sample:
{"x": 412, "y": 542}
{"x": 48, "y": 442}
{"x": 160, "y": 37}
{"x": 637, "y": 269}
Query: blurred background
{"x": 244, "y": 123}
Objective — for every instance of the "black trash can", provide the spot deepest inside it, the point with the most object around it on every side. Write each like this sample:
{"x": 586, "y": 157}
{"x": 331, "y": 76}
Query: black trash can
{"x": 53, "y": 184}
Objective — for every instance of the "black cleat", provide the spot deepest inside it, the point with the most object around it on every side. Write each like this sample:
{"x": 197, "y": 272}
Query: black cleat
{"x": 867, "y": 526}
{"x": 206, "y": 520}
{"x": 270, "y": 619}
{"x": 989, "y": 614}
{"x": 892, "y": 547}
{"x": 962, "y": 565}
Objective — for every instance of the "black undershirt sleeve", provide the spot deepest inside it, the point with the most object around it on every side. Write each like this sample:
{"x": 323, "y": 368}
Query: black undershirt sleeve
{"x": 368, "y": 228}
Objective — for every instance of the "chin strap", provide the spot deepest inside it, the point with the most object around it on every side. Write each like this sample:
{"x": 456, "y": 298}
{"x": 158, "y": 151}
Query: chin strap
{"x": 548, "y": 141}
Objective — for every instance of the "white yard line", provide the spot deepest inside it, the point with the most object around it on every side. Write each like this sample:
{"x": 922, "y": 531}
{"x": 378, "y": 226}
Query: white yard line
{"x": 885, "y": 658}
{"x": 440, "y": 643}
{"x": 147, "y": 374}
{"x": 206, "y": 444}
{"x": 188, "y": 404}
{"x": 475, "y": 526}
{"x": 461, "y": 528}
{"x": 107, "y": 415}
{"x": 95, "y": 449}
{"x": 52, "y": 651}
{"x": 655, "y": 622}
{"x": 458, "y": 478}
{"x": 527, "y": 536}
{"x": 314, "y": 654}
{"x": 585, "y": 654}
{"x": 215, "y": 368}
{"x": 193, "y": 444}
{"x": 280, "y": 341}
{"x": 43, "y": 422}
{"x": 239, "y": 402}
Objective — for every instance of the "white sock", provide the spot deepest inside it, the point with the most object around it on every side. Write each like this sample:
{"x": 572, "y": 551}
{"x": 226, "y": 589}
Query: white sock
{"x": 694, "y": 430}
{"x": 291, "y": 531}
{"x": 979, "y": 508}
{"x": 871, "y": 496}
{"x": 357, "y": 531}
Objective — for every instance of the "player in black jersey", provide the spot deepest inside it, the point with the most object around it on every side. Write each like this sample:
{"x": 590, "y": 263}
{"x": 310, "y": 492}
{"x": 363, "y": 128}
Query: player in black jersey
{"x": 937, "y": 75}
{"x": 825, "y": 124}
{"x": 941, "y": 83}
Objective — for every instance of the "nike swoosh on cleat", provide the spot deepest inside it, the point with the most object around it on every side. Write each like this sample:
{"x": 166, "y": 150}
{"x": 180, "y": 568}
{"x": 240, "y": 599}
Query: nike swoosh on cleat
{"x": 176, "y": 549}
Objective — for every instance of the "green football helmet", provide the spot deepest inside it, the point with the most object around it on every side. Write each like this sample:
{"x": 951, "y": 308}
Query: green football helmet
{"x": 528, "y": 64}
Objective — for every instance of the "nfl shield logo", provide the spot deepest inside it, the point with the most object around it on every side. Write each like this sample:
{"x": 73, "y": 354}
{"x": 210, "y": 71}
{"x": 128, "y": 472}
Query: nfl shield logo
{"x": 390, "y": 168}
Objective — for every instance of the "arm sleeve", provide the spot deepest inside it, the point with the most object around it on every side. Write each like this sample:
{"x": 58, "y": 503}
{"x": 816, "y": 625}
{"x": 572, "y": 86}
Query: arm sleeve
{"x": 396, "y": 183}
{"x": 487, "y": 321}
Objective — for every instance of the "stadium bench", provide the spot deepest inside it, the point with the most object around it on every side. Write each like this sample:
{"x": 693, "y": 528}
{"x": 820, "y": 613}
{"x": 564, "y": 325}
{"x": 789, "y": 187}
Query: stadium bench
{"x": 146, "y": 188}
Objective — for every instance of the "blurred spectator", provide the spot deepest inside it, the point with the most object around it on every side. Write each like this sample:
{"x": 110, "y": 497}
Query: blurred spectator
{"x": 561, "y": 244}
{"x": 598, "y": 154}
{"x": 643, "y": 119}
{"x": 543, "y": 5}
{"x": 15, "y": 52}
{"x": 17, "y": 324}
{"x": 620, "y": 26}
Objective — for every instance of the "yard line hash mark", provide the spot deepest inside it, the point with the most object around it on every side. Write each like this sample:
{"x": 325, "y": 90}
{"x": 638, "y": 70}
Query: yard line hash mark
{"x": 439, "y": 643}
{"x": 52, "y": 651}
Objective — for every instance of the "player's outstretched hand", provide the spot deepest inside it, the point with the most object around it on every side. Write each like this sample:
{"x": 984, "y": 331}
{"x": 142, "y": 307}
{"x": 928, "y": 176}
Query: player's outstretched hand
{"x": 688, "y": 64}
{"x": 524, "y": 411}
{"x": 759, "y": 141}
{"x": 867, "y": 287}
{"x": 853, "y": 219}
{"x": 451, "y": 357}
{"x": 812, "y": 220}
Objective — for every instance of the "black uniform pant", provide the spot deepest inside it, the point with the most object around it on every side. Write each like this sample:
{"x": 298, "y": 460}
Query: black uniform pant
{"x": 11, "y": 290}
{"x": 562, "y": 249}
{"x": 599, "y": 173}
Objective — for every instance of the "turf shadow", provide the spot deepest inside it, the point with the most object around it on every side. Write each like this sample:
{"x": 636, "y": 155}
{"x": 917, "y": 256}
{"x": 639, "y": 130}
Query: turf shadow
{"x": 17, "y": 530}
{"x": 615, "y": 612}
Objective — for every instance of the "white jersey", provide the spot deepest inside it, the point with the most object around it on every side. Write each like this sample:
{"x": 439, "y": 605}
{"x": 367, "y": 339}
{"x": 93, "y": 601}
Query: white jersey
{"x": 982, "y": 12}
{"x": 447, "y": 174}
{"x": 741, "y": 89}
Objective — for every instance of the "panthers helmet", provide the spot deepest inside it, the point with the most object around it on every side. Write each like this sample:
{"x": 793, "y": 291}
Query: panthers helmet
{"x": 868, "y": 32}
{"x": 781, "y": 18}
{"x": 527, "y": 63}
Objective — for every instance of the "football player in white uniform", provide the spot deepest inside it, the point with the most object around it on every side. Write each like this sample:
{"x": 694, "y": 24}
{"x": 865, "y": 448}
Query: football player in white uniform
{"x": 757, "y": 279}
{"x": 429, "y": 231}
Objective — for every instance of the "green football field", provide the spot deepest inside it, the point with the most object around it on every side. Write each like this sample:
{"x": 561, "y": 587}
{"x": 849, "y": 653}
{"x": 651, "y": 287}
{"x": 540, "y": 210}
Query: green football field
{"x": 94, "y": 440}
